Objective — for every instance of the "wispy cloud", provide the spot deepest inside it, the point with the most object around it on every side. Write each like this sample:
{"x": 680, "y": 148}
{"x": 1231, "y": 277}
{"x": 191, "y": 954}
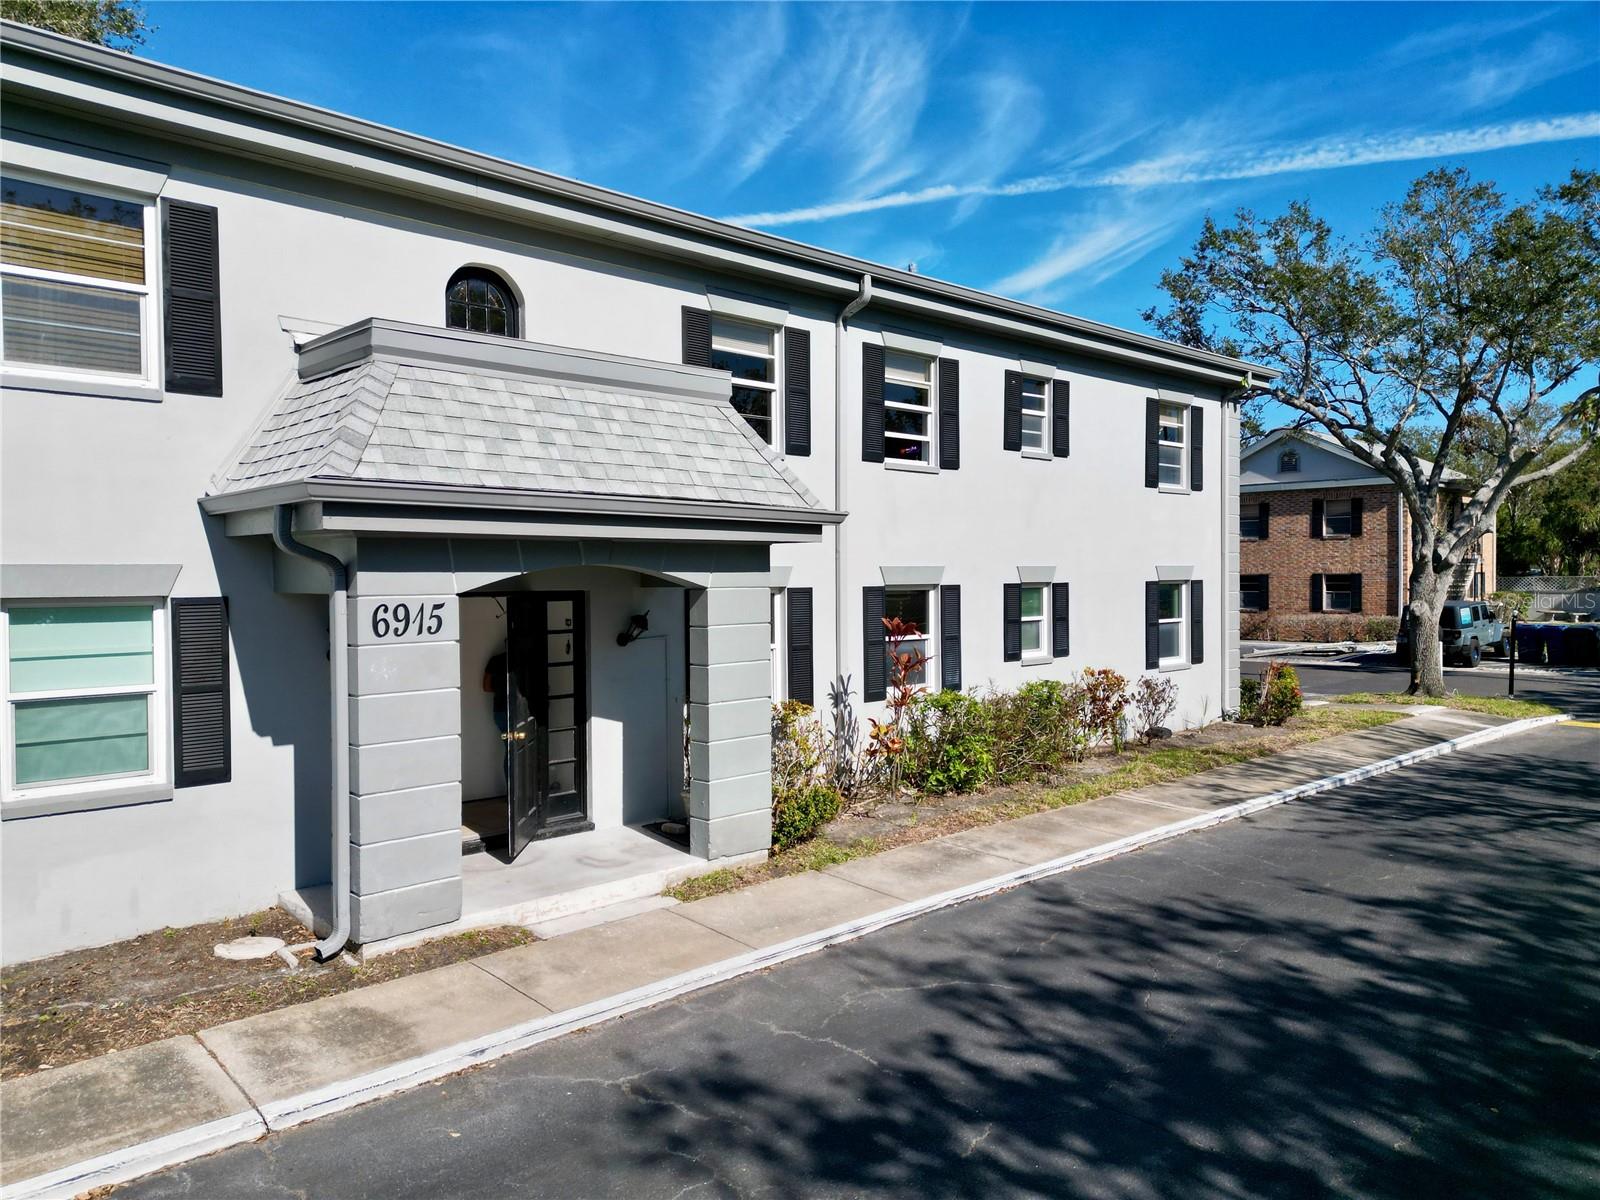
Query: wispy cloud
{"x": 1097, "y": 246}
{"x": 1494, "y": 78}
{"x": 1192, "y": 167}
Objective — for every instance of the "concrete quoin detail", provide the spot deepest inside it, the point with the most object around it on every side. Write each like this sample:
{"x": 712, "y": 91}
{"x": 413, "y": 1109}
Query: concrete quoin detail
{"x": 730, "y": 750}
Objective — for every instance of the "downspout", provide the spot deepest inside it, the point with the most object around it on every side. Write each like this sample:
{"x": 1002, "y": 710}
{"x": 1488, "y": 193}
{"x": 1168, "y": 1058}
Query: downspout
{"x": 339, "y": 699}
{"x": 862, "y": 299}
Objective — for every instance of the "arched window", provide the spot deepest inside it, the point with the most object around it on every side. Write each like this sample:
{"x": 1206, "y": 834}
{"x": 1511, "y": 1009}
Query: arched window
{"x": 1288, "y": 462}
{"x": 480, "y": 301}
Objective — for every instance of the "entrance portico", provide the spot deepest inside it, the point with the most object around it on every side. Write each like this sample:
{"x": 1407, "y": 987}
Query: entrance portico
{"x": 413, "y": 549}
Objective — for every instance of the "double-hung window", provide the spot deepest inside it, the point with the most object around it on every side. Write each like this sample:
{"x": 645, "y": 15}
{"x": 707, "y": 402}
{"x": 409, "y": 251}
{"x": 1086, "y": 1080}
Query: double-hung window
{"x": 908, "y": 409}
{"x": 1338, "y": 593}
{"x": 1033, "y": 606}
{"x": 1250, "y": 522}
{"x": 75, "y": 271}
{"x": 749, "y": 353}
{"x": 1170, "y": 622}
{"x": 1172, "y": 450}
{"x": 911, "y": 606}
{"x": 1035, "y": 417}
{"x": 1337, "y": 519}
{"x": 83, "y": 696}
{"x": 1252, "y": 593}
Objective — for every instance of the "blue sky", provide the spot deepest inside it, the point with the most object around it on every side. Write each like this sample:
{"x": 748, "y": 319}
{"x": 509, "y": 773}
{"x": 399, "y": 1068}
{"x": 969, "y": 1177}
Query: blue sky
{"x": 1060, "y": 153}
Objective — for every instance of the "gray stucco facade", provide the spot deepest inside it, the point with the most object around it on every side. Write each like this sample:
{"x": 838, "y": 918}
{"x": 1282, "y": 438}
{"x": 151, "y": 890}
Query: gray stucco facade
{"x": 452, "y": 471}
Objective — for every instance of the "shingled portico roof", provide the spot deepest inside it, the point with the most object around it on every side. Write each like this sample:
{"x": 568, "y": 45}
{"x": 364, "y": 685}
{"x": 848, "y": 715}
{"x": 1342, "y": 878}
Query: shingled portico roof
{"x": 384, "y": 403}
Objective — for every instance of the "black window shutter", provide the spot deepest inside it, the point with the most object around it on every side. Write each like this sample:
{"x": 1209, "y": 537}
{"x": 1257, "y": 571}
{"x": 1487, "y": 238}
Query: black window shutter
{"x": 874, "y": 660}
{"x": 949, "y": 415}
{"x": 1266, "y": 585}
{"x": 797, "y": 392}
{"x": 950, "y": 637}
{"x": 1060, "y": 621}
{"x": 1316, "y": 518}
{"x": 1061, "y": 418}
{"x": 1011, "y": 430}
{"x": 1197, "y": 448}
{"x": 1011, "y": 634}
{"x": 871, "y": 403}
{"x": 1152, "y": 443}
{"x": 1355, "y": 593}
{"x": 1152, "y": 625}
{"x": 1355, "y": 517}
{"x": 1197, "y": 621}
{"x": 1316, "y": 593}
{"x": 802, "y": 672}
{"x": 696, "y": 337}
{"x": 202, "y": 749}
{"x": 1264, "y": 508}
{"x": 192, "y": 298}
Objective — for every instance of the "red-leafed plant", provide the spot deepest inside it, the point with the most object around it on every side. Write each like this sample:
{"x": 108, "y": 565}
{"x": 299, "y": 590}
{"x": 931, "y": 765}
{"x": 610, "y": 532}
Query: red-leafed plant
{"x": 886, "y": 740}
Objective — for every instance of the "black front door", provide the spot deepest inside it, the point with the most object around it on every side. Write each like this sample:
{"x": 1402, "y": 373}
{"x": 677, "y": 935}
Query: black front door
{"x": 546, "y": 716}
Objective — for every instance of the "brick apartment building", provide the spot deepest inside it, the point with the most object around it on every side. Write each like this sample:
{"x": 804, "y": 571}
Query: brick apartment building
{"x": 1323, "y": 539}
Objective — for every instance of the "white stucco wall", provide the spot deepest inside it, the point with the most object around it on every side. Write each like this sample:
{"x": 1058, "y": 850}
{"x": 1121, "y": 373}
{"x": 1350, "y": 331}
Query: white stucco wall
{"x": 98, "y": 480}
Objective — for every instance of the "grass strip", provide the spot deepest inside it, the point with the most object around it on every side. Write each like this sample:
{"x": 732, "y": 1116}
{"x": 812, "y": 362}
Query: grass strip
{"x": 1494, "y": 706}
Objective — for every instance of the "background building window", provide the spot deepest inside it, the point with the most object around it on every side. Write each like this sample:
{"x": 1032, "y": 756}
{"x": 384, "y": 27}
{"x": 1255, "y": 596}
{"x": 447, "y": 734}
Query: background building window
{"x": 1035, "y": 414}
{"x": 1033, "y": 605}
{"x": 74, "y": 288}
{"x": 748, "y": 352}
{"x": 1250, "y": 522}
{"x": 81, "y": 687}
{"x": 1170, "y": 622}
{"x": 911, "y": 606}
{"x": 1336, "y": 518}
{"x": 1288, "y": 463}
{"x": 1338, "y": 593}
{"x": 908, "y": 408}
{"x": 1171, "y": 456}
{"x": 480, "y": 301}
{"x": 1252, "y": 593}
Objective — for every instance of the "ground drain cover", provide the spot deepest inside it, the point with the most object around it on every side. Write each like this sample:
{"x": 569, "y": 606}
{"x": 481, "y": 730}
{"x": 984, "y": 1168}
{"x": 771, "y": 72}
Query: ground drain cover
{"x": 248, "y": 947}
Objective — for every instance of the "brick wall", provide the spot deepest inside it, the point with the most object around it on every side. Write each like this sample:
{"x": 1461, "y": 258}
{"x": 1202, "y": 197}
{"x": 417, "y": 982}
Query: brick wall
{"x": 1290, "y": 555}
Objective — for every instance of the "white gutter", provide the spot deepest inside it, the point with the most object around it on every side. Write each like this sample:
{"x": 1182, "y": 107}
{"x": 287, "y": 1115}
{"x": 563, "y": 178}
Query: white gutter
{"x": 339, "y": 700}
{"x": 862, "y": 299}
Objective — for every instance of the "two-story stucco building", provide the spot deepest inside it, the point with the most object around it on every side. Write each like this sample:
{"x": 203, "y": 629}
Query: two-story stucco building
{"x": 358, "y": 489}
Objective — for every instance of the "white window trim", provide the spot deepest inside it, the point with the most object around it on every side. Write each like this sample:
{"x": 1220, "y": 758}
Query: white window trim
{"x": 1181, "y": 658}
{"x": 775, "y": 405}
{"x": 930, "y": 634}
{"x": 18, "y": 373}
{"x": 158, "y": 691}
{"x": 1164, "y": 408}
{"x": 929, "y": 439}
{"x": 1328, "y": 535}
{"x": 779, "y": 620}
{"x": 1043, "y": 451}
{"x": 1327, "y": 590}
{"x": 1044, "y": 653}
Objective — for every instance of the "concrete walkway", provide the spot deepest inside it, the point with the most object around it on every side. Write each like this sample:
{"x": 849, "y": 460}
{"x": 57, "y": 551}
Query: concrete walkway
{"x": 253, "y": 1074}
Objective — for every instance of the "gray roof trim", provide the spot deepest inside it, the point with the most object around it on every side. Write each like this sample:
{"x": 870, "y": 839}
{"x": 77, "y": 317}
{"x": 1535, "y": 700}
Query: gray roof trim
{"x": 441, "y": 496}
{"x": 1307, "y": 436}
{"x": 86, "y": 581}
{"x": 643, "y": 218}
{"x": 483, "y": 353}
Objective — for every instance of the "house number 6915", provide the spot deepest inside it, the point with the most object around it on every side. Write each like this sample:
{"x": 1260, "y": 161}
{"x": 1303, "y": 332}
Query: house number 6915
{"x": 400, "y": 619}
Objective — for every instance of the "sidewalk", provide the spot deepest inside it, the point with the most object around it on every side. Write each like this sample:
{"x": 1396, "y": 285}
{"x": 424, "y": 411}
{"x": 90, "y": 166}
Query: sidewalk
{"x": 112, "y": 1118}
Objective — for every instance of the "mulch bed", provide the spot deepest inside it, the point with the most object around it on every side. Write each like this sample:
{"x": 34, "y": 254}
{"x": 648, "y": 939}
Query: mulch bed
{"x": 87, "y": 1002}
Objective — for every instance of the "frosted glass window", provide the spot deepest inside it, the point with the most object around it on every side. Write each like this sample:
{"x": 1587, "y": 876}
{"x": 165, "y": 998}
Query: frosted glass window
{"x": 82, "y": 738}
{"x": 72, "y": 649}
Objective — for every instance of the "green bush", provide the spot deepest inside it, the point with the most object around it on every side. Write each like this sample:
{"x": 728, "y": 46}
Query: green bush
{"x": 1249, "y": 697}
{"x": 949, "y": 747}
{"x": 1280, "y": 695}
{"x": 1509, "y": 604}
{"x": 799, "y": 747}
{"x": 1381, "y": 629}
{"x": 1036, "y": 729}
{"x": 799, "y": 816}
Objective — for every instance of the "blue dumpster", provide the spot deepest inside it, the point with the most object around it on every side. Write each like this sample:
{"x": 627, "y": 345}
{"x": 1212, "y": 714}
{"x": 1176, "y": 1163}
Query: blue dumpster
{"x": 1530, "y": 643}
{"x": 1580, "y": 646}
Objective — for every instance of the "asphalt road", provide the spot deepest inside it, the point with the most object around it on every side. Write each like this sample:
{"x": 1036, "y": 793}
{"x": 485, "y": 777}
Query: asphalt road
{"x": 1389, "y": 990}
{"x": 1573, "y": 691}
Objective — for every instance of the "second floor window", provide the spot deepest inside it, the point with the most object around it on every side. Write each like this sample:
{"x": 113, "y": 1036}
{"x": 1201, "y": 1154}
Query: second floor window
{"x": 1035, "y": 414}
{"x": 74, "y": 279}
{"x": 908, "y": 408}
{"x": 749, "y": 353}
{"x": 1252, "y": 524}
{"x": 480, "y": 301}
{"x": 1336, "y": 519}
{"x": 1171, "y": 453}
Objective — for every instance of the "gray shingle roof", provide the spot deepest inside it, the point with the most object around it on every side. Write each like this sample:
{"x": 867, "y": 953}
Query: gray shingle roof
{"x": 398, "y": 422}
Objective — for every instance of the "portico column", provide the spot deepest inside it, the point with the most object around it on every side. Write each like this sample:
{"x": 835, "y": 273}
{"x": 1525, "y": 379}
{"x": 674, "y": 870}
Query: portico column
{"x": 730, "y": 721}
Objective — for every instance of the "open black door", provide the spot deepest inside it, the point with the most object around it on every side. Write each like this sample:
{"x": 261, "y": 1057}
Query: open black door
{"x": 546, "y": 712}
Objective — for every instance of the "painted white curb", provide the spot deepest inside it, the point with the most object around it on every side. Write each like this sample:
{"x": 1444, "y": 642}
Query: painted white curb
{"x": 284, "y": 1114}
{"x": 143, "y": 1159}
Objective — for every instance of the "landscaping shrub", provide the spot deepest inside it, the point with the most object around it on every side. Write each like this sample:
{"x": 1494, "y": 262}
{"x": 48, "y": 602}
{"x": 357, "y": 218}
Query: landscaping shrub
{"x": 1036, "y": 729}
{"x": 1509, "y": 604}
{"x": 1105, "y": 705}
{"x": 948, "y": 744}
{"x": 799, "y": 748}
{"x": 1315, "y": 627}
{"x": 1280, "y": 695}
{"x": 1249, "y": 698}
{"x": 1381, "y": 629}
{"x": 1154, "y": 699}
{"x": 798, "y": 816}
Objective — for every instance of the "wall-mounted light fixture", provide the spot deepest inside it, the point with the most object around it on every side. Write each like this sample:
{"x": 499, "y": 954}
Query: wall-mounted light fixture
{"x": 638, "y": 624}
